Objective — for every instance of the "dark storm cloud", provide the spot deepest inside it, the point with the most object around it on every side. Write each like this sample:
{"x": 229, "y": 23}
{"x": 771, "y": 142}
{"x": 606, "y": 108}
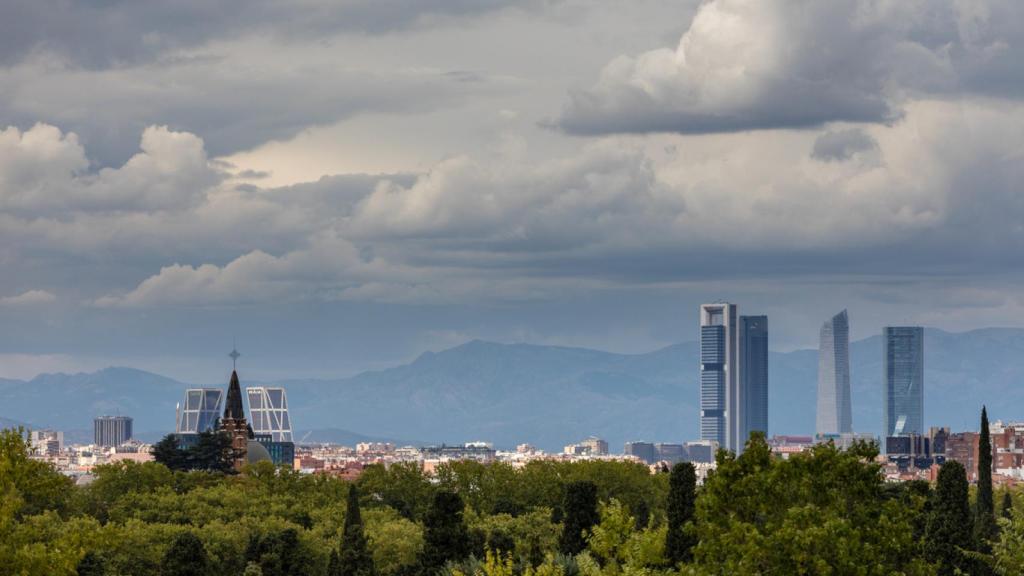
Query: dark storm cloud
{"x": 781, "y": 64}
{"x": 99, "y": 34}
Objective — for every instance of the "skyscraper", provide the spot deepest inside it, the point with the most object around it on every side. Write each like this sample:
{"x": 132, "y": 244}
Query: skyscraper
{"x": 112, "y": 430}
{"x": 200, "y": 411}
{"x": 268, "y": 408}
{"x": 753, "y": 378}
{"x": 903, "y": 373}
{"x": 834, "y": 407}
{"x": 718, "y": 357}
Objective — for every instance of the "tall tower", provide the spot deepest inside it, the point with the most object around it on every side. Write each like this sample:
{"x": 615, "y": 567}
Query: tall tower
{"x": 718, "y": 385}
{"x": 834, "y": 414}
{"x": 268, "y": 407}
{"x": 753, "y": 378}
{"x": 234, "y": 423}
{"x": 903, "y": 373}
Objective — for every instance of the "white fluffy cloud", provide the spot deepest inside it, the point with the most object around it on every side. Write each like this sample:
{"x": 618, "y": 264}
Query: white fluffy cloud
{"x": 28, "y": 298}
{"x": 746, "y": 64}
{"x": 44, "y": 171}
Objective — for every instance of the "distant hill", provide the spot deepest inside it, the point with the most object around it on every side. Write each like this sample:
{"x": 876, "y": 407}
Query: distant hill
{"x": 550, "y": 395}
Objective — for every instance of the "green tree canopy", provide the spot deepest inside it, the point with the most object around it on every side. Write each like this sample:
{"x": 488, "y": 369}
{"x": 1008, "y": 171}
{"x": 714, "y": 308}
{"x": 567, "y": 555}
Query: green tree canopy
{"x": 185, "y": 557}
{"x": 581, "y": 514}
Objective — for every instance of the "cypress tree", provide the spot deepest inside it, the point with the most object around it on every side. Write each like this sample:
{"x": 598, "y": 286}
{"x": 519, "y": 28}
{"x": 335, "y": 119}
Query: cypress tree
{"x": 984, "y": 514}
{"x": 355, "y": 558}
{"x": 580, "y": 509}
{"x": 949, "y": 524}
{"x": 1007, "y": 507}
{"x": 445, "y": 537}
{"x": 185, "y": 557}
{"x": 682, "y": 493}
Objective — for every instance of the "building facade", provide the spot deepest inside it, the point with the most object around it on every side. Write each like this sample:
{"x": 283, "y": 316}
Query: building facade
{"x": 200, "y": 411}
{"x": 47, "y": 442}
{"x": 834, "y": 414}
{"x": 718, "y": 359}
{"x": 903, "y": 374}
{"x": 112, "y": 430}
{"x": 268, "y": 412}
{"x": 642, "y": 450}
{"x": 753, "y": 378}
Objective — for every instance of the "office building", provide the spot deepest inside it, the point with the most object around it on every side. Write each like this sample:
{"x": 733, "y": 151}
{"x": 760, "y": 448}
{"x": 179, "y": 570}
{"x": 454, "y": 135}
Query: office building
{"x": 47, "y": 442}
{"x": 702, "y": 451}
{"x": 268, "y": 409}
{"x": 834, "y": 414}
{"x": 642, "y": 450}
{"x": 671, "y": 453}
{"x": 753, "y": 378}
{"x": 112, "y": 430}
{"x": 718, "y": 359}
{"x": 733, "y": 375}
{"x": 200, "y": 411}
{"x": 903, "y": 374}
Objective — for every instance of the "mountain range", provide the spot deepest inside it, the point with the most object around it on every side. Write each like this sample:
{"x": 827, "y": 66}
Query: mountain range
{"x": 548, "y": 395}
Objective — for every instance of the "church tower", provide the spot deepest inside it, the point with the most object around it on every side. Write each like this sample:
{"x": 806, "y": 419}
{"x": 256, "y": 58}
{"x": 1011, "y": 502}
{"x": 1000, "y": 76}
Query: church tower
{"x": 234, "y": 422}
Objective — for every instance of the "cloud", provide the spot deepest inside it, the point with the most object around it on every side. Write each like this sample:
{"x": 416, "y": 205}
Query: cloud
{"x": 29, "y": 298}
{"x": 745, "y": 65}
{"x": 43, "y": 170}
{"x": 842, "y": 145}
{"x": 235, "y": 95}
{"x": 110, "y": 35}
{"x": 939, "y": 196}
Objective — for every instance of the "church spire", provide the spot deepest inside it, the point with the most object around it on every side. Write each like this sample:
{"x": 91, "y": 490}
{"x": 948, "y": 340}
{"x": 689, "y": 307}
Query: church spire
{"x": 233, "y": 407}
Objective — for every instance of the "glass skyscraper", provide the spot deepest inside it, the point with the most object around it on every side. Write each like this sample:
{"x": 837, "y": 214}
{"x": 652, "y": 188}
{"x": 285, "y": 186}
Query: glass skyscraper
{"x": 903, "y": 372}
{"x": 753, "y": 377}
{"x": 834, "y": 407}
{"x": 268, "y": 409}
{"x": 200, "y": 411}
{"x": 718, "y": 392}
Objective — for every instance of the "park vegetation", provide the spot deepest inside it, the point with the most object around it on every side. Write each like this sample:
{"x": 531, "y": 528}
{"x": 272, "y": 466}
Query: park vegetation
{"x": 826, "y": 511}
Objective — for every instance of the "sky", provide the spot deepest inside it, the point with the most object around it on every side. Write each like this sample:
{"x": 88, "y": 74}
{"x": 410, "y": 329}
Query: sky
{"x": 336, "y": 186}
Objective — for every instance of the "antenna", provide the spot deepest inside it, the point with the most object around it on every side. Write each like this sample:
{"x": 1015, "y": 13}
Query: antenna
{"x": 234, "y": 357}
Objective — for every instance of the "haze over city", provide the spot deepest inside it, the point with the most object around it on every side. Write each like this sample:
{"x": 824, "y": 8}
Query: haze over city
{"x": 337, "y": 190}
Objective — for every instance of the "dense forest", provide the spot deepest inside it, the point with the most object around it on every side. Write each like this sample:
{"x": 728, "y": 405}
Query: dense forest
{"x": 826, "y": 511}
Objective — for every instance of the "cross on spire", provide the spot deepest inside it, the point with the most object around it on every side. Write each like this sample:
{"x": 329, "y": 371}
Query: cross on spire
{"x": 234, "y": 358}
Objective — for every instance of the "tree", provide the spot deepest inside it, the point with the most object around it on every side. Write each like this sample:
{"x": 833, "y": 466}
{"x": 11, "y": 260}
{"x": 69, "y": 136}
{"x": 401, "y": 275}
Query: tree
{"x": 446, "y": 537}
{"x": 90, "y": 565}
{"x": 682, "y": 494}
{"x": 334, "y": 564}
{"x": 169, "y": 453}
{"x": 949, "y": 533}
{"x": 185, "y": 557}
{"x": 213, "y": 452}
{"x": 1007, "y": 506}
{"x": 580, "y": 509}
{"x": 984, "y": 514}
{"x": 822, "y": 511}
{"x": 355, "y": 559}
